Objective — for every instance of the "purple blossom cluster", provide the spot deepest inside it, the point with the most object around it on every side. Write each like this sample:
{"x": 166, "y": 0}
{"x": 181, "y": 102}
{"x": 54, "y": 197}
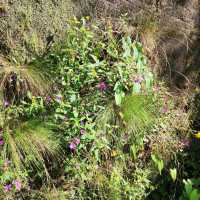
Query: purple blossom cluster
{"x": 16, "y": 183}
{"x": 138, "y": 79}
{"x": 82, "y": 131}
{"x": 102, "y": 86}
{"x": 48, "y": 100}
{"x": 73, "y": 145}
{"x": 58, "y": 98}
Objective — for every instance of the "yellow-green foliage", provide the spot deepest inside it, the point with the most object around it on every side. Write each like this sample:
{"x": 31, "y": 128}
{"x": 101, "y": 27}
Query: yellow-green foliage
{"x": 138, "y": 111}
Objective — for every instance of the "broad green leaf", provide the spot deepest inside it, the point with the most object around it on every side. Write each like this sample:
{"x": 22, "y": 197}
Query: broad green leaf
{"x": 173, "y": 173}
{"x": 75, "y": 112}
{"x": 153, "y": 157}
{"x": 119, "y": 97}
{"x": 149, "y": 81}
{"x": 160, "y": 166}
{"x": 73, "y": 98}
{"x": 188, "y": 186}
{"x": 158, "y": 162}
{"x": 194, "y": 195}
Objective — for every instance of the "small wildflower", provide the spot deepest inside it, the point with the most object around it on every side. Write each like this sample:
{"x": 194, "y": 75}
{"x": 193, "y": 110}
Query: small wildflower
{"x": 82, "y": 123}
{"x": 77, "y": 141}
{"x": 114, "y": 153}
{"x": 197, "y": 135}
{"x": 164, "y": 109}
{"x": 48, "y": 99}
{"x": 6, "y": 104}
{"x": 138, "y": 79}
{"x": 72, "y": 146}
{"x": 7, "y": 187}
{"x": 58, "y": 98}
{"x": 74, "y": 143}
{"x": 18, "y": 185}
{"x": 102, "y": 86}
{"x": 1, "y": 142}
{"x": 82, "y": 131}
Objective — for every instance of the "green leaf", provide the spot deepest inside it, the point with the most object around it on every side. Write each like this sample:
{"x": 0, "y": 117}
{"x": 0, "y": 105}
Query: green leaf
{"x": 135, "y": 52}
{"x": 75, "y": 112}
{"x": 160, "y": 166}
{"x": 153, "y": 157}
{"x": 188, "y": 186}
{"x": 134, "y": 151}
{"x": 173, "y": 173}
{"x": 149, "y": 81}
{"x": 119, "y": 93}
{"x": 194, "y": 195}
{"x": 73, "y": 98}
{"x": 158, "y": 162}
{"x": 126, "y": 45}
{"x": 119, "y": 97}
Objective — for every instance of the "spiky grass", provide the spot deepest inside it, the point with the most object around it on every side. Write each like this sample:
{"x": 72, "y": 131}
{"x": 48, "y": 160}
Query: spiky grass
{"x": 32, "y": 146}
{"x": 138, "y": 112}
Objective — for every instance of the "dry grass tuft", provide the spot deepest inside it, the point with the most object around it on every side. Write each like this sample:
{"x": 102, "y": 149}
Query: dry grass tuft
{"x": 16, "y": 81}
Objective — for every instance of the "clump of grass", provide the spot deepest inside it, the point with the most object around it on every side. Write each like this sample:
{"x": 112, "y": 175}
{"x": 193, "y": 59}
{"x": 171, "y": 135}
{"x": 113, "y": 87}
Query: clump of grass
{"x": 138, "y": 111}
{"x": 16, "y": 81}
{"x": 32, "y": 146}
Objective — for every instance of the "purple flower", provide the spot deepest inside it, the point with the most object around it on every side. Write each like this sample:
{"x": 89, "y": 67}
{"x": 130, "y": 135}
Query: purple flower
{"x": 184, "y": 143}
{"x": 48, "y": 99}
{"x": 1, "y": 142}
{"x": 72, "y": 146}
{"x": 18, "y": 184}
{"x": 7, "y": 187}
{"x": 58, "y": 98}
{"x": 164, "y": 109}
{"x": 76, "y": 141}
{"x": 6, "y": 104}
{"x": 138, "y": 79}
{"x": 82, "y": 131}
{"x": 102, "y": 86}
